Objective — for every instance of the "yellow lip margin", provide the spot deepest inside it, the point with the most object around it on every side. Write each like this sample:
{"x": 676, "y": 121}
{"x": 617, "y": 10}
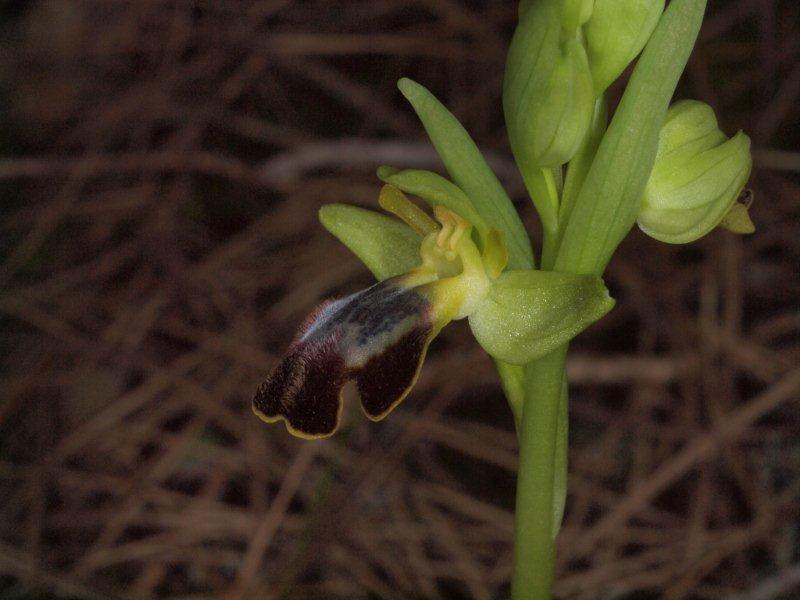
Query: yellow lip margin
{"x": 297, "y": 432}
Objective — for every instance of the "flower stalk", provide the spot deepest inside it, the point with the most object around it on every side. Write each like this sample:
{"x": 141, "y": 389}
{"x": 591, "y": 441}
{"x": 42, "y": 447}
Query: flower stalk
{"x": 535, "y": 526}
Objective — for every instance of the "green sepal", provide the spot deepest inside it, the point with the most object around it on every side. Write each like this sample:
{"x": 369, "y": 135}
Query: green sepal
{"x": 616, "y": 32}
{"x": 469, "y": 171}
{"x": 435, "y": 189}
{"x": 527, "y": 314}
{"x": 385, "y": 245}
{"x": 561, "y": 118}
{"x": 531, "y": 56}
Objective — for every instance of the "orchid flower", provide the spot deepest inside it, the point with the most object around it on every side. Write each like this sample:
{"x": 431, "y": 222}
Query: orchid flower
{"x": 378, "y": 337}
{"x": 591, "y": 173}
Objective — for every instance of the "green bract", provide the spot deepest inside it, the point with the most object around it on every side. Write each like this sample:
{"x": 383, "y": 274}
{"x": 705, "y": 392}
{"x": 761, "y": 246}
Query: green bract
{"x": 582, "y": 161}
{"x": 697, "y": 177}
{"x": 616, "y": 32}
{"x": 530, "y": 313}
{"x": 469, "y": 171}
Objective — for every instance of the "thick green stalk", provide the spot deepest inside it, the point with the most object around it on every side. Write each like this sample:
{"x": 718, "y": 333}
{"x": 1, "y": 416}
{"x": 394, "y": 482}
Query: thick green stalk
{"x": 534, "y": 542}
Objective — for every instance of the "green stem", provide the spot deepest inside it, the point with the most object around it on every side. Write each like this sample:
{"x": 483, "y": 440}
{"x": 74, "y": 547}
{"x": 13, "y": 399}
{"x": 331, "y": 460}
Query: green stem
{"x": 542, "y": 186}
{"x": 549, "y": 247}
{"x": 534, "y": 540}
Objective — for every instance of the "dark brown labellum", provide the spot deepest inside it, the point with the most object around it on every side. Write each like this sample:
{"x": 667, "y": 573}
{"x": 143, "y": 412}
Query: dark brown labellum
{"x": 377, "y": 337}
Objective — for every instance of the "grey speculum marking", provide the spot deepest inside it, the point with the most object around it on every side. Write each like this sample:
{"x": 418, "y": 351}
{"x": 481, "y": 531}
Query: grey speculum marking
{"x": 376, "y": 310}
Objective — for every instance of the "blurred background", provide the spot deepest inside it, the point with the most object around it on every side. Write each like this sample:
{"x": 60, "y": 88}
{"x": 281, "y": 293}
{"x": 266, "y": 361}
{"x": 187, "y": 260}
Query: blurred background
{"x": 161, "y": 167}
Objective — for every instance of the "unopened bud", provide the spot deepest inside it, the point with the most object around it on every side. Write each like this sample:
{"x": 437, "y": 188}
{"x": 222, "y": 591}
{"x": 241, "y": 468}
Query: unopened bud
{"x": 616, "y": 33}
{"x": 697, "y": 177}
{"x": 548, "y": 96}
{"x": 557, "y": 120}
{"x": 574, "y": 14}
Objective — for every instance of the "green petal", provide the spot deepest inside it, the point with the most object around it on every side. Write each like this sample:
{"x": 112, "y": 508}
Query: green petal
{"x": 386, "y": 246}
{"x": 435, "y": 190}
{"x": 469, "y": 171}
{"x": 530, "y": 313}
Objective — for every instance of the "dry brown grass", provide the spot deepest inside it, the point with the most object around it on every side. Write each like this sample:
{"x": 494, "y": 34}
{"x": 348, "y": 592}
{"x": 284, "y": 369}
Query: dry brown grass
{"x": 162, "y": 166}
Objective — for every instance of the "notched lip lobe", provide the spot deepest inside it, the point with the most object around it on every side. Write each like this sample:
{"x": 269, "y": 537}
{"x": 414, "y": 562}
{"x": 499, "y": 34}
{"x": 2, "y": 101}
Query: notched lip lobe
{"x": 315, "y": 368}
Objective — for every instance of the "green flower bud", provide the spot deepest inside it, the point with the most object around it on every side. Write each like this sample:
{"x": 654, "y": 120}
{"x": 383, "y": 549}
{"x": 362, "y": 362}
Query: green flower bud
{"x": 548, "y": 96}
{"x": 560, "y": 121}
{"x": 690, "y": 127}
{"x": 616, "y": 33}
{"x": 697, "y": 177}
{"x": 574, "y": 14}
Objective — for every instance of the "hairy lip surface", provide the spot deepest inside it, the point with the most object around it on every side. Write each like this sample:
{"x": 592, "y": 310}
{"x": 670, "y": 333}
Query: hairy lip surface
{"x": 377, "y": 337}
